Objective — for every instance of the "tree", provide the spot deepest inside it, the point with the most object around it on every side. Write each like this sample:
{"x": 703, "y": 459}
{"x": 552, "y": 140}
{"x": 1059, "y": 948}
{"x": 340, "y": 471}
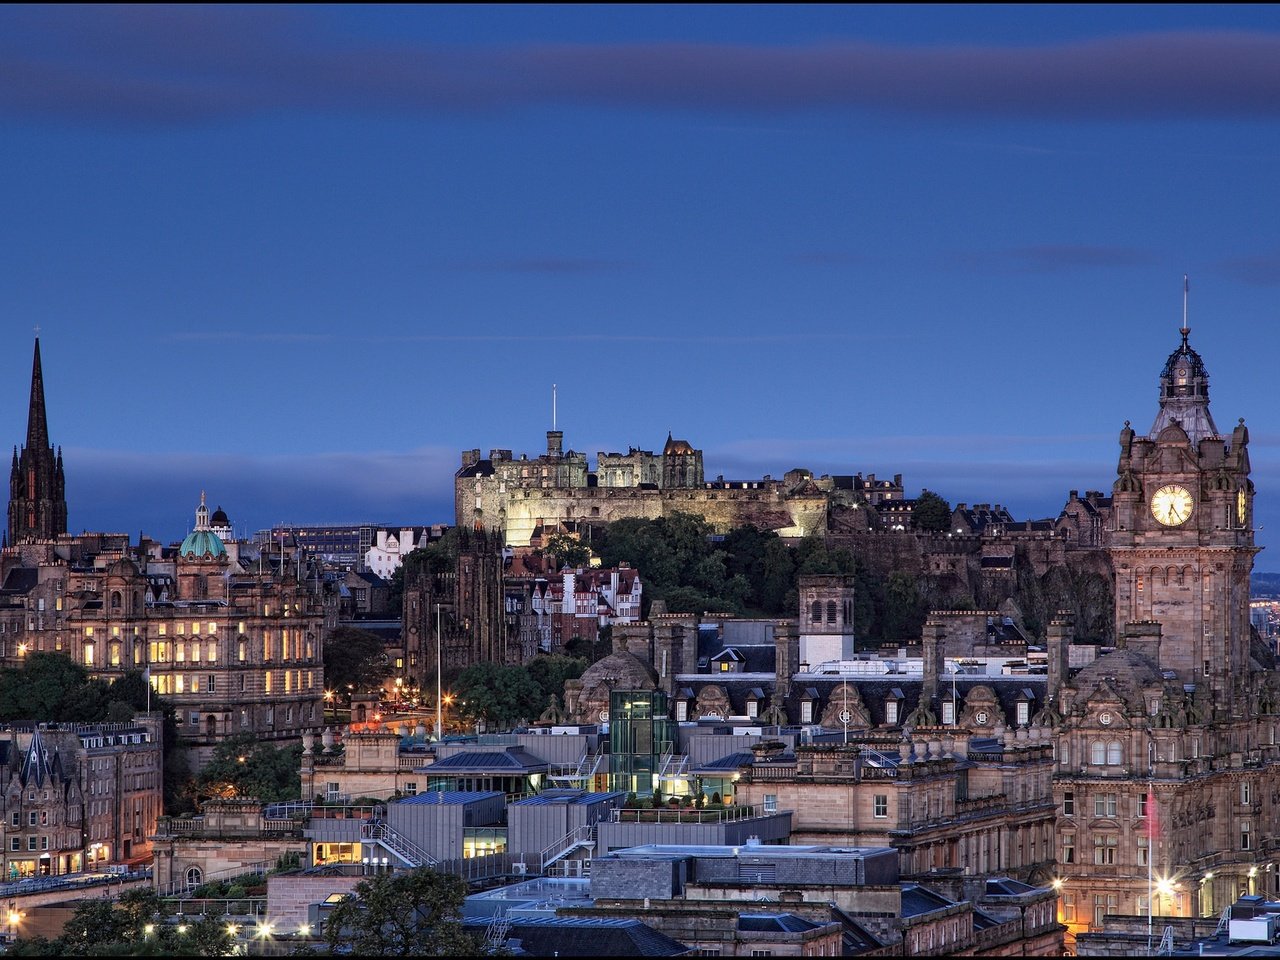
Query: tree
{"x": 931, "y": 512}
{"x": 354, "y": 659}
{"x": 550, "y": 671}
{"x": 500, "y": 695}
{"x": 243, "y": 766}
{"x": 568, "y": 551}
{"x": 904, "y": 613}
{"x": 402, "y": 915}
{"x": 132, "y": 927}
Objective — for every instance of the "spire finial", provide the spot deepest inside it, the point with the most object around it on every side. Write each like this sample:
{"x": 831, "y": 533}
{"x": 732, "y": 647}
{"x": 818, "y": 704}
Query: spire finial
{"x": 1186, "y": 292}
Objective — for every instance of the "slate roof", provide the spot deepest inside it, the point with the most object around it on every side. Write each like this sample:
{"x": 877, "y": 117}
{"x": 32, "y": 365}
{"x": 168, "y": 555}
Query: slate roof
{"x": 588, "y": 937}
{"x": 21, "y": 579}
{"x": 725, "y": 765}
{"x": 875, "y": 692}
{"x": 774, "y": 922}
{"x": 512, "y": 760}
{"x": 917, "y": 900}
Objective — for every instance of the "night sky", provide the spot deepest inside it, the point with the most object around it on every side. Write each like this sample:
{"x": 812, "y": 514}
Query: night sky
{"x": 301, "y": 258}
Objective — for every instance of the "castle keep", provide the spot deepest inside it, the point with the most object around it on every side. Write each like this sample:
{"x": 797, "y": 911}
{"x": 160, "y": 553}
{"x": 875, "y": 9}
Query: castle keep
{"x": 525, "y": 497}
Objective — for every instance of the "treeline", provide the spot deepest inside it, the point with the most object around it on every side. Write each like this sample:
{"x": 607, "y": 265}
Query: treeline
{"x": 750, "y": 572}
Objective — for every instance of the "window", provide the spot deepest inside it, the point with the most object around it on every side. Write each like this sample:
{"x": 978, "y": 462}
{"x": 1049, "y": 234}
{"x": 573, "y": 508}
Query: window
{"x": 1104, "y": 849}
{"x": 806, "y": 711}
{"x": 1024, "y": 713}
{"x": 14, "y": 819}
{"x": 88, "y": 652}
{"x": 210, "y": 684}
{"x": 1068, "y": 908}
{"x": 1144, "y": 851}
{"x": 1142, "y": 804}
{"x": 1244, "y": 793}
{"x": 1069, "y": 803}
{"x": 15, "y": 843}
{"x": 1068, "y": 848}
{"x": 1143, "y": 905}
{"x": 1206, "y": 668}
{"x": 891, "y": 711}
{"x": 1115, "y": 754}
{"x": 753, "y": 709}
{"x": 682, "y": 711}
{"x": 44, "y": 843}
{"x": 411, "y": 788}
{"x": 194, "y": 878}
{"x": 1246, "y": 839}
{"x": 31, "y": 843}
{"x": 1104, "y": 805}
{"x": 31, "y": 819}
{"x": 880, "y": 806}
{"x": 770, "y": 803}
{"x": 1097, "y": 753}
{"x": 948, "y": 712}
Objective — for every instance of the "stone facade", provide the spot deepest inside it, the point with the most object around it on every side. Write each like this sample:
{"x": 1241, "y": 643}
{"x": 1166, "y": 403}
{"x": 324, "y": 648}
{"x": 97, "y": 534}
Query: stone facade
{"x": 521, "y": 497}
{"x": 235, "y": 649}
{"x": 1166, "y": 748}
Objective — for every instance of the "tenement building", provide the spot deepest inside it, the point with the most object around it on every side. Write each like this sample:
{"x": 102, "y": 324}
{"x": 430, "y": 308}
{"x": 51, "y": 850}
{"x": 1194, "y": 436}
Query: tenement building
{"x": 234, "y": 645}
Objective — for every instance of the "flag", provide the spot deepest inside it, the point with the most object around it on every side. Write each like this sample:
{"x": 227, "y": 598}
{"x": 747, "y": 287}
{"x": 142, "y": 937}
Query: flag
{"x": 1153, "y": 821}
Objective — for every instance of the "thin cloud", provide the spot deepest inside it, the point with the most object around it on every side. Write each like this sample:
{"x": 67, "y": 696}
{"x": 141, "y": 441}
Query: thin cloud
{"x": 831, "y": 258}
{"x": 1054, "y": 258}
{"x": 545, "y": 265}
{"x": 1262, "y": 270}
{"x": 253, "y": 336}
{"x": 147, "y": 65}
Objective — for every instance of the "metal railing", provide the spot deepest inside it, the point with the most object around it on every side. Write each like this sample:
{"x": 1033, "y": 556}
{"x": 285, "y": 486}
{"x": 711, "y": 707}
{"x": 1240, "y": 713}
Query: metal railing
{"x": 257, "y": 869}
{"x": 686, "y": 815}
{"x": 377, "y": 831}
{"x": 575, "y": 839}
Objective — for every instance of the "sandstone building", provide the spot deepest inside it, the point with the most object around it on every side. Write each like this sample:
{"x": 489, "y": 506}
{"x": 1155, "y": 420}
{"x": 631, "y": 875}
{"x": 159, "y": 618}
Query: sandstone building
{"x": 557, "y": 489}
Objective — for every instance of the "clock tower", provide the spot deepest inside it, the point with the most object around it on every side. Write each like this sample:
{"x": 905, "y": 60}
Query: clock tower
{"x": 1182, "y": 538}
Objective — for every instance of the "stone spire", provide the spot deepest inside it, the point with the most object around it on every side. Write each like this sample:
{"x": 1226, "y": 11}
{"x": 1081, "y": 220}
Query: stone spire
{"x": 37, "y": 422}
{"x": 37, "y": 484}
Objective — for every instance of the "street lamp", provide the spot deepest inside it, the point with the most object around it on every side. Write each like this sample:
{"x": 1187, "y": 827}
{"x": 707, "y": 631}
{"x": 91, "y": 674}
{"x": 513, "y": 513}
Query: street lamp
{"x": 329, "y": 696}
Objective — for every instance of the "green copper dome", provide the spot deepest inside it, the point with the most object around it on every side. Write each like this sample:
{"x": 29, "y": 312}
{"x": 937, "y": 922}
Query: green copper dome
{"x": 200, "y": 543}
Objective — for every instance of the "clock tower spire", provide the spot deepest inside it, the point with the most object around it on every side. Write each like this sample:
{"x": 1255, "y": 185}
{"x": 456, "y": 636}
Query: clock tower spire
{"x": 1182, "y": 538}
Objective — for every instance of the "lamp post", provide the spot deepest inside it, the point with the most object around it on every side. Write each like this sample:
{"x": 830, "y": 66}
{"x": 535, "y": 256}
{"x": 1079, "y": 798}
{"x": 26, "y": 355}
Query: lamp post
{"x": 439, "y": 672}
{"x": 329, "y": 704}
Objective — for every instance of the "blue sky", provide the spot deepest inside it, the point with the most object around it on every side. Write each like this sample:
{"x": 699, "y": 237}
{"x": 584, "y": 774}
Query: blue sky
{"x": 302, "y": 257}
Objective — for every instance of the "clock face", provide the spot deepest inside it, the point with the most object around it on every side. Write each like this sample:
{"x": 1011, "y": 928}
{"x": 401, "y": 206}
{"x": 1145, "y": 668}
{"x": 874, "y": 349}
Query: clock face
{"x": 982, "y": 717}
{"x": 1242, "y": 505}
{"x": 1171, "y": 505}
{"x": 1106, "y": 719}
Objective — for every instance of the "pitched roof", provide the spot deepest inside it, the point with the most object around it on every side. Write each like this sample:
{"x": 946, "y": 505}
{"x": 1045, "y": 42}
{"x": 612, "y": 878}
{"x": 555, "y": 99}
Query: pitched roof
{"x": 588, "y": 937}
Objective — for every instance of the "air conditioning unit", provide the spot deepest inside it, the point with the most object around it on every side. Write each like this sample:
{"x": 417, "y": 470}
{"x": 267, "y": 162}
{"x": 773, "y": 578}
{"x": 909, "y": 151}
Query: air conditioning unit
{"x": 519, "y": 869}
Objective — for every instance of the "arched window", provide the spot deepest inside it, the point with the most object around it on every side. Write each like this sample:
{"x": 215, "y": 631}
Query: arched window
{"x": 211, "y": 725}
{"x": 1115, "y": 754}
{"x": 831, "y": 611}
{"x": 115, "y": 599}
{"x": 1098, "y": 753}
{"x": 194, "y": 878}
{"x": 816, "y": 615}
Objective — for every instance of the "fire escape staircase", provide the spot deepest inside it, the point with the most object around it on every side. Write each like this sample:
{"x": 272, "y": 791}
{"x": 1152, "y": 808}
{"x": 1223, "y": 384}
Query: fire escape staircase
{"x": 580, "y": 775}
{"x": 406, "y": 851}
{"x": 579, "y": 838}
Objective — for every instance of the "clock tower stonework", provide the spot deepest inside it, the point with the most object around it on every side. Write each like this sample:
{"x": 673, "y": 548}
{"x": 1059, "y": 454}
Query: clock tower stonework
{"x": 1182, "y": 540}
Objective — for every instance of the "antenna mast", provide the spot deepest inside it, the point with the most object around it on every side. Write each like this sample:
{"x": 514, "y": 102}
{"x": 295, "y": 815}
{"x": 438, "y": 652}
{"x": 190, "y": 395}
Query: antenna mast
{"x": 553, "y": 406}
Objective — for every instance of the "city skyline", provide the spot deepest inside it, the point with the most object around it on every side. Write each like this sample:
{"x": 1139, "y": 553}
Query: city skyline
{"x": 792, "y": 237}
